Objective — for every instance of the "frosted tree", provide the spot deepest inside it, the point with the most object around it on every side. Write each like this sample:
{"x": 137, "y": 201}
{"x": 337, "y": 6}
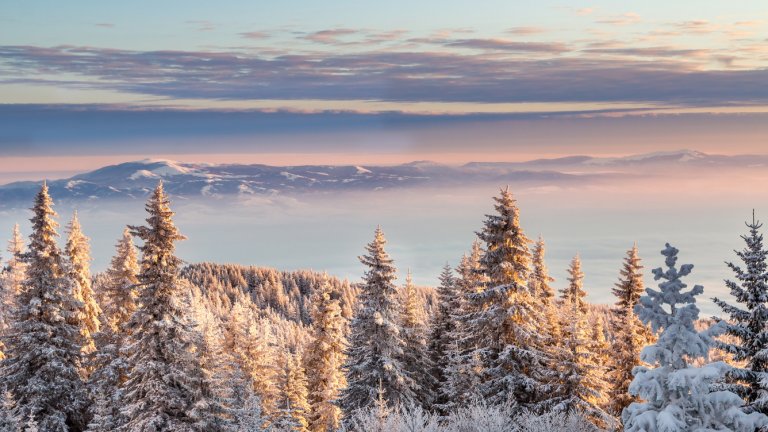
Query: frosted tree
{"x": 580, "y": 360}
{"x": 16, "y": 268}
{"x": 463, "y": 374}
{"x": 165, "y": 387}
{"x": 630, "y": 338}
{"x": 78, "y": 253}
{"x": 676, "y": 395}
{"x": 544, "y": 295}
{"x": 506, "y": 260}
{"x": 251, "y": 341}
{"x": 748, "y": 324}
{"x": 11, "y": 278}
{"x": 510, "y": 346}
{"x": 42, "y": 368}
{"x": 376, "y": 344}
{"x": 118, "y": 293}
{"x": 574, "y": 293}
{"x": 250, "y": 417}
{"x": 539, "y": 279}
{"x": 630, "y": 286}
{"x": 224, "y": 376}
{"x": 416, "y": 358}
{"x": 630, "y": 334}
{"x": 324, "y": 358}
{"x": 294, "y": 394}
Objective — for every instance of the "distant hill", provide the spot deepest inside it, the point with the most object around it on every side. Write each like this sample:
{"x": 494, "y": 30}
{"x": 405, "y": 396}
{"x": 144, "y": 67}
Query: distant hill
{"x": 134, "y": 180}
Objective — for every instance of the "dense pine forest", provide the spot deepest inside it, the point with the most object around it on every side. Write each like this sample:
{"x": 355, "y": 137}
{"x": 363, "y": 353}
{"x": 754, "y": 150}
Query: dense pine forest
{"x": 154, "y": 344}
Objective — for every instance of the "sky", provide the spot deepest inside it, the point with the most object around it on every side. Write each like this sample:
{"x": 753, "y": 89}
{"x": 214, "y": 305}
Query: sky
{"x": 84, "y": 84}
{"x": 380, "y": 81}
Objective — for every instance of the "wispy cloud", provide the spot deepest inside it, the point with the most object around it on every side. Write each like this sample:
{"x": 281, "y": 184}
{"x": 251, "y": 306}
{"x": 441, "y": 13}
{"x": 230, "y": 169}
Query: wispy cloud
{"x": 351, "y": 37}
{"x": 658, "y": 51}
{"x": 104, "y": 25}
{"x": 507, "y": 45}
{"x": 696, "y": 26}
{"x": 628, "y": 18}
{"x": 330, "y": 36}
{"x": 255, "y": 35}
{"x": 525, "y": 31}
{"x": 426, "y": 76}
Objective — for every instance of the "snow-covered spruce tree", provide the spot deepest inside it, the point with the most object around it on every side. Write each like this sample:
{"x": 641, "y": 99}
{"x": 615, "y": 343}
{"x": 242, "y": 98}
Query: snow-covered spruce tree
{"x": 252, "y": 341}
{"x": 510, "y": 346}
{"x": 506, "y": 259}
{"x": 574, "y": 293}
{"x": 324, "y": 358}
{"x": 11, "y": 277}
{"x": 630, "y": 286}
{"x": 677, "y": 396}
{"x": 376, "y": 344}
{"x": 219, "y": 370}
{"x": 582, "y": 386}
{"x": 294, "y": 406}
{"x": 748, "y": 324}
{"x": 78, "y": 253}
{"x": 630, "y": 334}
{"x": 118, "y": 293}
{"x": 539, "y": 279}
{"x": 16, "y": 268}
{"x": 463, "y": 374}
{"x": 165, "y": 385}
{"x": 416, "y": 358}
{"x": 250, "y": 417}
{"x": 42, "y": 368}
{"x": 544, "y": 294}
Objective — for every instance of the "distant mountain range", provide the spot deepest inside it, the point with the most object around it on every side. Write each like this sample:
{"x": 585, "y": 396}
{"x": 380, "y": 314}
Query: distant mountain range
{"x": 134, "y": 180}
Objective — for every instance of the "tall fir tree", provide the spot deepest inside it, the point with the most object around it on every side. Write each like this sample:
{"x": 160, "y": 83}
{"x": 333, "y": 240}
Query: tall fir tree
{"x": 325, "y": 358}
{"x": 256, "y": 350}
{"x": 677, "y": 396}
{"x": 43, "y": 367}
{"x": 294, "y": 404}
{"x": 511, "y": 346}
{"x": 630, "y": 334}
{"x": 464, "y": 371}
{"x": 539, "y": 284}
{"x": 16, "y": 267}
{"x": 78, "y": 253}
{"x": 165, "y": 385}
{"x": 539, "y": 280}
{"x": 11, "y": 277}
{"x": 748, "y": 323}
{"x": 580, "y": 360}
{"x": 376, "y": 344}
{"x": 630, "y": 286}
{"x": 574, "y": 293}
{"x": 416, "y": 357}
{"x": 507, "y": 259}
{"x": 119, "y": 295}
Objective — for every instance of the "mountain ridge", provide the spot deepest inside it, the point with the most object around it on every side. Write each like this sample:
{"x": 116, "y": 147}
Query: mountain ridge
{"x": 135, "y": 179}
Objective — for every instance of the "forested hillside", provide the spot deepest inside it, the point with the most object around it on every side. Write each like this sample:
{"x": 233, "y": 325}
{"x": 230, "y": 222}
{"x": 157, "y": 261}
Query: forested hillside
{"x": 154, "y": 345}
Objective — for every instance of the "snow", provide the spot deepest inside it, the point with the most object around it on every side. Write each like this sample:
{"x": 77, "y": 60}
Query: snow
{"x": 290, "y": 176}
{"x": 142, "y": 174}
{"x": 73, "y": 183}
{"x": 683, "y": 155}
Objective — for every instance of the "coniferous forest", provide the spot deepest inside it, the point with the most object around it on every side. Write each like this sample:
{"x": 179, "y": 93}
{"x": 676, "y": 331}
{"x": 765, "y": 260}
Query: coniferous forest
{"x": 157, "y": 344}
